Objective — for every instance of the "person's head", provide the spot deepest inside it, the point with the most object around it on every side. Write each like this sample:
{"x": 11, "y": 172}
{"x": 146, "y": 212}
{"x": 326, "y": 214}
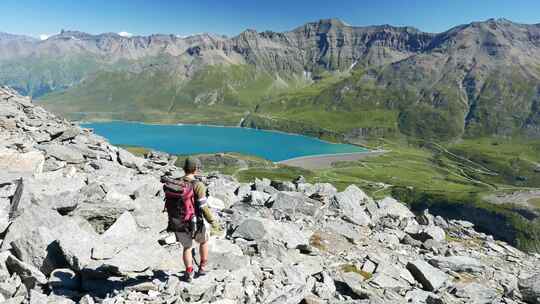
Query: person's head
{"x": 192, "y": 165}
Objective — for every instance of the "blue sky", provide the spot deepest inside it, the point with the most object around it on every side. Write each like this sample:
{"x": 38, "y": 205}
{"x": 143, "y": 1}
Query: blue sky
{"x": 229, "y": 17}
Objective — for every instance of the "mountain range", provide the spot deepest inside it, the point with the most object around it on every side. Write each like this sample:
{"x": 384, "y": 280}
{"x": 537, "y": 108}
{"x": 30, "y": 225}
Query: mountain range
{"x": 324, "y": 78}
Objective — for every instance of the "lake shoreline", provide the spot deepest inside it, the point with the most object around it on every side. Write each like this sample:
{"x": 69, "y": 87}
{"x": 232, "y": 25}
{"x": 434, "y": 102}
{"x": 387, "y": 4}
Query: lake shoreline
{"x": 272, "y": 145}
{"x": 82, "y": 122}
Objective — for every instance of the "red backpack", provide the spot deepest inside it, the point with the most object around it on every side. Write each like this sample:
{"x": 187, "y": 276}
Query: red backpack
{"x": 179, "y": 203}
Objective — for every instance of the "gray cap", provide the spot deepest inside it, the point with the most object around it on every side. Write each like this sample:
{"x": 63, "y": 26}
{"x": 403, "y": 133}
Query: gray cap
{"x": 192, "y": 164}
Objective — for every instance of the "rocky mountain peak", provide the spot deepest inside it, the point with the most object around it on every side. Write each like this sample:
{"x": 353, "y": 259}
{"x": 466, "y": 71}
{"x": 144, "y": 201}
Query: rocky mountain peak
{"x": 6, "y": 37}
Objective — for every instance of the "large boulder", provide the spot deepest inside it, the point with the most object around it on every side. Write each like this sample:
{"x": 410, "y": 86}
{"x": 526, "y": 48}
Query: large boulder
{"x": 139, "y": 257}
{"x": 30, "y": 219}
{"x": 123, "y": 232}
{"x": 30, "y": 275}
{"x": 430, "y": 277}
{"x": 256, "y": 198}
{"x": 530, "y": 289}
{"x": 390, "y": 207}
{"x": 430, "y": 233}
{"x": 258, "y": 229}
{"x": 322, "y": 189}
{"x": 351, "y": 203}
{"x": 129, "y": 160}
{"x": 34, "y": 247}
{"x": 475, "y": 293}
{"x": 293, "y": 203}
{"x": 63, "y": 153}
{"x": 75, "y": 247}
{"x": 16, "y": 162}
{"x": 224, "y": 190}
{"x": 458, "y": 263}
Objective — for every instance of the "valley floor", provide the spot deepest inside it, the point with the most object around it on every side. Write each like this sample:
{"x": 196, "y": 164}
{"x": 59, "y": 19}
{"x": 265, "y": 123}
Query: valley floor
{"x": 326, "y": 161}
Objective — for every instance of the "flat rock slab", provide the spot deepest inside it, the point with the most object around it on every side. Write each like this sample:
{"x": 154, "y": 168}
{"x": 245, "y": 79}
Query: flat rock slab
{"x": 430, "y": 277}
{"x": 16, "y": 162}
{"x": 530, "y": 289}
{"x": 457, "y": 263}
{"x": 64, "y": 153}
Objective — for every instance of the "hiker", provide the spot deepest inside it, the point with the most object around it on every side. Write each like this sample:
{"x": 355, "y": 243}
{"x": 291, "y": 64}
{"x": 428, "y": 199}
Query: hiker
{"x": 185, "y": 202}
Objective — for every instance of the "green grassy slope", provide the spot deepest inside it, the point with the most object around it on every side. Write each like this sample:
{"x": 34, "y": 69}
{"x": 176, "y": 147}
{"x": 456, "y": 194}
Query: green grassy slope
{"x": 215, "y": 94}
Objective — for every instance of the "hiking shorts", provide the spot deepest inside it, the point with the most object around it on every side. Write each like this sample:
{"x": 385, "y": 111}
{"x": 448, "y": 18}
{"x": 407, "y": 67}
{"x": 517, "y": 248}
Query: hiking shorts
{"x": 200, "y": 237}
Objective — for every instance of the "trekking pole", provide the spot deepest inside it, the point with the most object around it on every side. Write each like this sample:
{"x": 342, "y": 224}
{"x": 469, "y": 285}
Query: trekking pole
{"x": 194, "y": 256}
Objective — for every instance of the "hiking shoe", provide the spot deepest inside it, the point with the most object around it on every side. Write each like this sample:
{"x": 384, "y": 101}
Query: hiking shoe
{"x": 202, "y": 270}
{"x": 188, "y": 277}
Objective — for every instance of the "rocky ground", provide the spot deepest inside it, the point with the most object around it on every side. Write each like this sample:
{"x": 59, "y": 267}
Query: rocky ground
{"x": 82, "y": 221}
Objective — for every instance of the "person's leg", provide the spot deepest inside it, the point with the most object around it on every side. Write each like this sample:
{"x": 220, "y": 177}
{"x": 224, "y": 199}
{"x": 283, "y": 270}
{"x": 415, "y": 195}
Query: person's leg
{"x": 203, "y": 249}
{"x": 188, "y": 259}
{"x": 187, "y": 243}
{"x": 202, "y": 238}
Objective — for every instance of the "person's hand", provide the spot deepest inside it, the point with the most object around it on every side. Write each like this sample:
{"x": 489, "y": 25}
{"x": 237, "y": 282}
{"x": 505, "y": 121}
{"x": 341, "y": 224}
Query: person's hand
{"x": 216, "y": 230}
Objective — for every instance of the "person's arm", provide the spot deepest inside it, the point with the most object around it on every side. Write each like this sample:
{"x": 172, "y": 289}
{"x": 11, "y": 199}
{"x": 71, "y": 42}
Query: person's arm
{"x": 200, "y": 193}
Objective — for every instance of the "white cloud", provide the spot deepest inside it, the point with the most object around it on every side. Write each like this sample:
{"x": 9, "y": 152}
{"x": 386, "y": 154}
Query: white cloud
{"x": 43, "y": 36}
{"x": 125, "y": 34}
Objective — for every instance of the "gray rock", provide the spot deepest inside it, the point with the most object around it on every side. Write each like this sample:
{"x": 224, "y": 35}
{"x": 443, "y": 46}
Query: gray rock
{"x": 75, "y": 247}
{"x": 323, "y": 189}
{"x": 293, "y": 203}
{"x": 29, "y": 219}
{"x": 433, "y": 246}
{"x": 15, "y": 162}
{"x": 407, "y": 239}
{"x": 102, "y": 214}
{"x": 129, "y": 160}
{"x": 475, "y": 293}
{"x": 251, "y": 229}
{"x": 14, "y": 300}
{"x": 351, "y": 203}
{"x": 387, "y": 239}
{"x": 63, "y": 152}
{"x": 530, "y": 289}
{"x": 263, "y": 229}
{"x": 430, "y": 277}
{"x": 283, "y": 186}
{"x": 34, "y": 247}
{"x": 223, "y": 190}
{"x": 390, "y": 207}
{"x": 37, "y": 297}
{"x": 417, "y": 296}
{"x": 257, "y": 198}
{"x": 243, "y": 191}
{"x": 7, "y": 289}
{"x": 458, "y": 263}
{"x": 52, "y": 164}
{"x": 369, "y": 266}
{"x": 430, "y": 232}
{"x": 5, "y": 209}
{"x": 69, "y": 133}
{"x": 87, "y": 299}
{"x": 123, "y": 232}
{"x": 355, "y": 283}
{"x": 63, "y": 202}
{"x": 326, "y": 288}
{"x": 30, "y": 275}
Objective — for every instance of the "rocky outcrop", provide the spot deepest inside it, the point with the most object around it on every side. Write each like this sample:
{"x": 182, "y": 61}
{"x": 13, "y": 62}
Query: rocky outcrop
{"x": 88, "y": 228}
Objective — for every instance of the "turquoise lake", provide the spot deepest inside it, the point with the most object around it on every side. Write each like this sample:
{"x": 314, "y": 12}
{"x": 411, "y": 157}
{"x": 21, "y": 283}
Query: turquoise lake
{"x": 194, "y": 139}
